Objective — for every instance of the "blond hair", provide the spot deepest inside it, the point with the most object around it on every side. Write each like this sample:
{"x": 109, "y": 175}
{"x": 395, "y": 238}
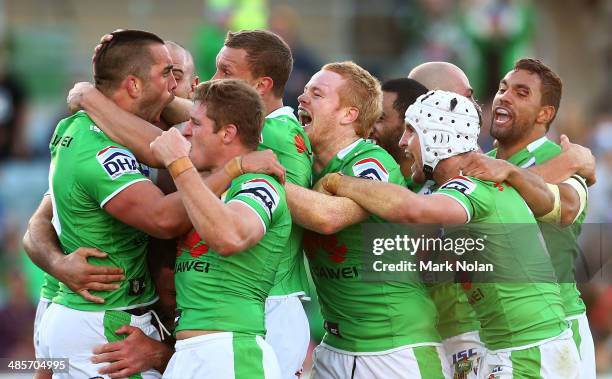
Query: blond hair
{"x": 362, "y": 91}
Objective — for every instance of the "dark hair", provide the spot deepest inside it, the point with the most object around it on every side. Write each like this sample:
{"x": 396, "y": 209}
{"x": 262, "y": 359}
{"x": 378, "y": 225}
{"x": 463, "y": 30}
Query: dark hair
{"x": 407, "y": 91}
{"x": 267, "y": 55}
{"x": 551, "y": 87}
{"x": 231, "y": 101}
{"x": 127, "y": 53}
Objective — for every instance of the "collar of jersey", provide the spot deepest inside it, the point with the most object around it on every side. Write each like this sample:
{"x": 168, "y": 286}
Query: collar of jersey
{"x": 282, "y": 111}
{"x": 344, "y": 152}
{"x": 537, "y": 143}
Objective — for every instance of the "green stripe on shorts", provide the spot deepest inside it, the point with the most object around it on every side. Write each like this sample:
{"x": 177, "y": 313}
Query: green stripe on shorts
{"x": 526, "y": 363}
{"x": 248, "y": 357}
{"x": 576, "y": 334}
{"x": 429, "y": 363}
{"x": 113, "y": 320}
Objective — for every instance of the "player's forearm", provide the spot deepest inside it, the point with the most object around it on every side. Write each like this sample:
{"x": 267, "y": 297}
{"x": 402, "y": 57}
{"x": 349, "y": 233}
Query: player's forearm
{"x": 177, "y": 111}
{"x": 322, "y": 213}
{"x": 556, "y": 169}
{"x": 388, "y": 201}
{"x": 122, "y": 127}
{"x": 40, "y": 241}
{"x": 160, "y": 358}
{"x": 533, "y": 190}
{"x": 169, "y": 217}
{"x": 211, "y": 218}
{"x": 570, "y": 204}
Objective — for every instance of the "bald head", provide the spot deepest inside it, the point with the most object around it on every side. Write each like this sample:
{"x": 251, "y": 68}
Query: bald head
{"x": 442, "y": 75}
{"x": 183, "y": 70}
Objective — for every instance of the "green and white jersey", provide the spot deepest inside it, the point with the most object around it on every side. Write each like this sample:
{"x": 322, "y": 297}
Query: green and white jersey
{"x": 228, "y": 293}
{"x": 365, "y": 316}
{"x": 519, "y": 303}
{"x": 87, "y": 170}
{"x": 283, "y": 134}
{"x": 561, "y": 242}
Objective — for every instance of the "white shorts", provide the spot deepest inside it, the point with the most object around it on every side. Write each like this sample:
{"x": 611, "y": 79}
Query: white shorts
{"x": 421, "y": 362}
{"x": 288, "y": 333}
{"x": 43, "y": 304}
{"x": 556, "y": 358}
{"x": 584, "y": 342}
{"x": 223, "y": 355}
{"x": 73, "y": 334}
{"x": 464, "y": 353}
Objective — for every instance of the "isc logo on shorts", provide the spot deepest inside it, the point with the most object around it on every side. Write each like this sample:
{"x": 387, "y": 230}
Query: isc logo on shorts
{"x": 461, "y": 184}
{"x": 371, "y": 168}
{"x": 116, "y": 161}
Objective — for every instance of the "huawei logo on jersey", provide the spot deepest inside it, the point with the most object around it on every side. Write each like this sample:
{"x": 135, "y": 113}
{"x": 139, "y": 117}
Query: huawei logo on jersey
{"x": 193, "y": 243}
{"x": 300, "y": 145}
{"x": 314, "y": 241}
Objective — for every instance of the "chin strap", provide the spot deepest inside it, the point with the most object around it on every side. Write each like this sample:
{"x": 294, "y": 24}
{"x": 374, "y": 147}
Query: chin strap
{"x": 428, "y": 171}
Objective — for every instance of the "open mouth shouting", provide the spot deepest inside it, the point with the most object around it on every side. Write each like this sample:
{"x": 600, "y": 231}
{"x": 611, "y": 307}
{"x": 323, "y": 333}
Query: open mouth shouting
{"x": 502, "y": 116}
{"x": 305, "y": 117}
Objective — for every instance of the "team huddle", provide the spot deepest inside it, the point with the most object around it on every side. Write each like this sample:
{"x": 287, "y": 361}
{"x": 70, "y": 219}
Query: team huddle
{"x": 245, "y": 190}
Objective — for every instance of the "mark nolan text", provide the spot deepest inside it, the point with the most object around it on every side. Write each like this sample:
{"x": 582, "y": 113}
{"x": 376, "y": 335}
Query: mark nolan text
{"x": 429, "y": 266}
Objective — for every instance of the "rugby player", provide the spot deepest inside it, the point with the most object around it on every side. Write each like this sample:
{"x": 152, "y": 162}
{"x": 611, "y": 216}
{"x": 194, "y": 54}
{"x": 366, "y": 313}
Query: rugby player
{"x": 102, "y": 198}
{"x": 373, "y": 329}
{"x": 228, "y": 262}
{"x": 522, "y": 320}
{"x": 183, "y": 69}
{"x": 457, "y": 323}
{"x": 524, "y": 107}
{"x": 398, "y": 94}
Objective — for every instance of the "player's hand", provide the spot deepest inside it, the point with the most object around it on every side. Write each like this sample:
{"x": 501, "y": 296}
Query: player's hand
{"x": 483, "y": 167}
{"x": 318, "y": 187}
{"x": 581, "y": 157}
{"x": 328, "y": 184}
{"x": 76, "y": 94}
{"x": 80, "y": 276}
{"x": 104, "y": 39}
{"x": 135, "y": 354}
{"x": 170, "y": 146}
{"x": 263, "y": 162}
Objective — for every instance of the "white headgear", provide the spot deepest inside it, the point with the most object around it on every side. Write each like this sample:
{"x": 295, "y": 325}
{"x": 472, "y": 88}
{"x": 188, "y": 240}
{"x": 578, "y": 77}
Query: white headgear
{"x": 447, "y": 125}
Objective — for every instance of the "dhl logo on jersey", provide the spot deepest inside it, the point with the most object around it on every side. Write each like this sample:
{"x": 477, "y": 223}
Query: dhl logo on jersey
{"x": 116, "y": 161}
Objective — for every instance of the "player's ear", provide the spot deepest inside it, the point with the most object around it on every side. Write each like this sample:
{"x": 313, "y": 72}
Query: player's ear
{"x": 264, "y": 85}
{"x": 350, "y": 115}
{"x": 546, "y": 114}
{"x": 133, "y": 86}
{"x": 230, "y": 133}
{"x": 194, "y": 83}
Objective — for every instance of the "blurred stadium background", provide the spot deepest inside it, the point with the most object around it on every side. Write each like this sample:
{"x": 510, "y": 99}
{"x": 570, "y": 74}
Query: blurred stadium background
{"x": 46, "y": 46}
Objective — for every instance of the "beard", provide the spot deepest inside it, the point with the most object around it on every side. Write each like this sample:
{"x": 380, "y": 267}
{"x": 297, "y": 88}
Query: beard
{"x": 510, "y": 133}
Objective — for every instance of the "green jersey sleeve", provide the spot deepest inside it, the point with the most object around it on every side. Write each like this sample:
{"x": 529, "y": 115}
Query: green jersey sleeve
{"x": 471, "y": 193}
{"x": 111, "y": 170}
{"x": 260, "y": 193}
